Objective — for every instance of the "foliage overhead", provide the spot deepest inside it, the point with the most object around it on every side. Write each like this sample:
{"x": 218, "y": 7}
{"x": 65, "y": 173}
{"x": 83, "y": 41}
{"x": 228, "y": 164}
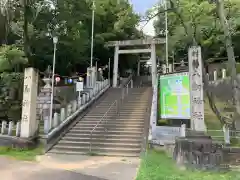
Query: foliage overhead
{"x": 197, "y": 22}
{"x": 32, "y": 24}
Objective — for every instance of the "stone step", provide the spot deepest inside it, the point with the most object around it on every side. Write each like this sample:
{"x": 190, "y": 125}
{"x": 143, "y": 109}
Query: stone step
{"x": 121, "y": 154}
{"x": 124, "y": 109}
{"x": 116, "y": 119}
{"x": 112, "y": 116}
{"x": 101, "y": 128}
{"x": 112, "y": 124}
{"x": 119, "y": 144}
{"x": 124, "y": 132}
{"x": 87, "y": 135}
{"x": 97, "y": 149}
{"x": 100, "y": 132}
{"x": 121, "y": 113}
{"x": 103, "y": 139}
{"x": 134, "y": 106}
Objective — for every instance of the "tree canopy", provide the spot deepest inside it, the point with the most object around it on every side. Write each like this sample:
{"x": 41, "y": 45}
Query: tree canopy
{"x": 31, "y": 24}
{"x": 197, "y": 20}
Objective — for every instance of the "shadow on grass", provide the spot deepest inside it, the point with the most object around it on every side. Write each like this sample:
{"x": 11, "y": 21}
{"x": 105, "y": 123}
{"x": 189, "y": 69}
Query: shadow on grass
{"x": 157, "y": 166}
{"x": 21, "y": 154}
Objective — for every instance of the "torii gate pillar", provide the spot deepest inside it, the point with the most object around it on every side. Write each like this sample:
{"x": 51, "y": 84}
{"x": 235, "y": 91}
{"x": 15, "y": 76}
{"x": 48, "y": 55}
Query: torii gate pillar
{"x": 115, "y": 66}
{"x": 139, "y": 42}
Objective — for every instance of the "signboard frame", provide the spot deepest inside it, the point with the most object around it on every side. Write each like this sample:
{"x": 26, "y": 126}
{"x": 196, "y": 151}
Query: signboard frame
{"x": 160, "y": 94}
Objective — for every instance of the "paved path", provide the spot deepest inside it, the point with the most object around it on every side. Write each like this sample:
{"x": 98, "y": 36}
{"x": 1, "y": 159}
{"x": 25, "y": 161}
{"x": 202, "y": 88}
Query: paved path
{"x": 62, "y": 167}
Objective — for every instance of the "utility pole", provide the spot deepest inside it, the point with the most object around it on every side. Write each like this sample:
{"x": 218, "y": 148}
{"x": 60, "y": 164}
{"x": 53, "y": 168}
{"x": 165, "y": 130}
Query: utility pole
{"x": 166, "y": 32}
{"x": 93, "y": 19}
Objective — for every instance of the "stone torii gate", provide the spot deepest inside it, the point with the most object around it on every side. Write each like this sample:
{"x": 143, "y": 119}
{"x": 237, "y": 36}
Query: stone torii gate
{"x": 151, "y": 43}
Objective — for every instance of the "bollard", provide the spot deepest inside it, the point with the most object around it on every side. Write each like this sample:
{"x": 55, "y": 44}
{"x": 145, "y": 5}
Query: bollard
{"x": 46, "y": 125}
{"x": 4, "y": 124}
{"x": 18, "y": 129}
{"x": 83, "y": 99}
{"x": 226, "y": 134}
{"x": 55, "y": 120}
{"x": 10, "y": 128}
{"x": 183, "y": 130}
{"x": 69, "y": 110}
{"x": 89, "y": 95}
{"x": 95, "y": 91}
{"x": 215, "y": 75}
{"x": 207, "y": 76}
{"x": 223, "y": 73}
{"x": 79, "y": 103}
{"x": 92, "y": 93}
{"x": 62, "y": 114}
{"x": 97, "y": 87}
{"x": 74, "y": 106}
{"x": 170, "y": 68}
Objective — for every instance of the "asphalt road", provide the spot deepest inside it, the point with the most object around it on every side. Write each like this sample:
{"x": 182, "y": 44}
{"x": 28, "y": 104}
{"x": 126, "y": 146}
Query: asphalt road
{"x": 18, "y": 170}
{"x": 64, "y": 167}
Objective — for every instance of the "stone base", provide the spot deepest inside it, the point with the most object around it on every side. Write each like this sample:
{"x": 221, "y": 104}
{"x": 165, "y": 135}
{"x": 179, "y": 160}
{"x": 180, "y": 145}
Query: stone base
{"x": 18, "y": 143}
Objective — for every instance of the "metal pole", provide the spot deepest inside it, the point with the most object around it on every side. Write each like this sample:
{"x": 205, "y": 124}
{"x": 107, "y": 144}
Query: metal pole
{"x": 109, "y": 64}
{"x": 96, "y": 76}
{"x": 173, "y": 62}
{"x": 166, "y": 32}
{"x": 93, "y": 14}
{"x": 52, "y": 87}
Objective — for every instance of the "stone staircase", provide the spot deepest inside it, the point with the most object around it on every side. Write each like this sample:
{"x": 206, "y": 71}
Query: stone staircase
{"x": 121, "y": 135}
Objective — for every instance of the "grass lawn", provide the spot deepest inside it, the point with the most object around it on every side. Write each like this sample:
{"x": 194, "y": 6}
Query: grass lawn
{"x": 157, "y": 166}
{"x": 25, "y": 155}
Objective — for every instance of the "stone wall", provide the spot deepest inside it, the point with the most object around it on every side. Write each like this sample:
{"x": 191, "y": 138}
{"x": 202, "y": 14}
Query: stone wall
{"x": 201, "y": 152}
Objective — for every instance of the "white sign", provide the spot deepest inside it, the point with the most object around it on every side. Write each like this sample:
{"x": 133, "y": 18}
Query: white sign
{"x": 196, "y": 89}
{"x": 79, "y": 86}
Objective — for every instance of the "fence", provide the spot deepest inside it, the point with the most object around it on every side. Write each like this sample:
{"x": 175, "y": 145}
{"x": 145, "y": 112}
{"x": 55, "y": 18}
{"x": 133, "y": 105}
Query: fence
{"x": 10, "y": 128}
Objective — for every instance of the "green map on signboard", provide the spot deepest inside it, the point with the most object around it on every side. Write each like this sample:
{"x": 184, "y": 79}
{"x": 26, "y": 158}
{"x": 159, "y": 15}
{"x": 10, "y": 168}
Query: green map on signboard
{"x": 174, "y": 101}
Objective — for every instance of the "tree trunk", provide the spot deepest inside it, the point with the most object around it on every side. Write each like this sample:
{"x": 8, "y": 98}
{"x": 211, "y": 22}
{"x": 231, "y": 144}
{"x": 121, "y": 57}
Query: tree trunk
{"x": 231, "y": 60}
{"x": 25, "y": 32}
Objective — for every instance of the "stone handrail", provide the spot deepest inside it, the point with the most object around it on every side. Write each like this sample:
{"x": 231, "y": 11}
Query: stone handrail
{"x": 69, "y": 113}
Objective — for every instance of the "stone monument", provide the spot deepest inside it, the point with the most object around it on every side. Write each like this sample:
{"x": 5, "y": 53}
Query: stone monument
{"x": 196, "y": 89}
{"x": 29, "y": 125}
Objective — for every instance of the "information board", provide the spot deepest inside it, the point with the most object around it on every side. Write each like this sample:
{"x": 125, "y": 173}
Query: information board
{"x": 79, "y": 86}
{"x": 174, "y": 96}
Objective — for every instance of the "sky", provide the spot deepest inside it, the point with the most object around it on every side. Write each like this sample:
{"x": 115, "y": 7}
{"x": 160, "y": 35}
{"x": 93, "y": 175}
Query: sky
{"x": 141, "y": 6}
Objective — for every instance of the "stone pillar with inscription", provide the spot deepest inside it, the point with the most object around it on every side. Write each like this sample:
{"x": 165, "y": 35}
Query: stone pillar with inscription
{"x": 29, "y": 124}
{"x": 154, "y": 64}
{"x": 196, "y": 89}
